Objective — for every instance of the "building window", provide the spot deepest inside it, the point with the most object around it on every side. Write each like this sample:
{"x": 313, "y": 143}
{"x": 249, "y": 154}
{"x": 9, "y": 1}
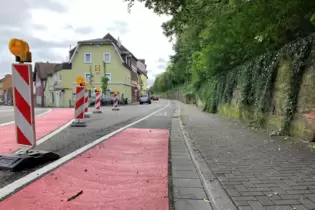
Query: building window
{"x": 128, "y": 60}
{"x": 108, "y": 76}
{"x": 87, "y": 77}
{"x": 52, "y": 97}
{"x": 38, "y": 84}
{"x": 107, "y": 57}
{"x": 87, "y": 58}
{"x": 55, "y": 78}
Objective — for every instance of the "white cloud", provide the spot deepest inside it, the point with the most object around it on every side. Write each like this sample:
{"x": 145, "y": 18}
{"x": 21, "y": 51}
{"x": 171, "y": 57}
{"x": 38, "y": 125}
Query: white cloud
{"x": 53, "y": 29}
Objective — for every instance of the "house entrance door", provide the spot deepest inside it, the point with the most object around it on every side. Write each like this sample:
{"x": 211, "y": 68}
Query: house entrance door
{"x": 57, "y": 97}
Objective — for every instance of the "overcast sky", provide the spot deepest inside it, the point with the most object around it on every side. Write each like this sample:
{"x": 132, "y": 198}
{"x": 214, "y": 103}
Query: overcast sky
{"x": 51, "y": 26}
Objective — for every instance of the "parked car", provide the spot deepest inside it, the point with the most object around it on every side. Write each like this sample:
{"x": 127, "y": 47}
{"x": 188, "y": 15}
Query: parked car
{"x": 154, "y": 98}
{"x": 108, "y": 100}
{"x": 145, "y": 99}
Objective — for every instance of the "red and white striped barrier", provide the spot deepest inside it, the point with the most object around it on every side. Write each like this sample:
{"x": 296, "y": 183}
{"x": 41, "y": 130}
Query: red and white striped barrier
{"x": 79, "y": 108}
{"x": 115, "y": 105}
{"x": 23, "y": 104}
{"x": 86, "y": 102}
{"x": 97, "y": 102}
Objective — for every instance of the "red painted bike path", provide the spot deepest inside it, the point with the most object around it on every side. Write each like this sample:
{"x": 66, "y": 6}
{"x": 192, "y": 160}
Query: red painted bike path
{"x": 125, "y": 172}
{"x": 45, "y": 124}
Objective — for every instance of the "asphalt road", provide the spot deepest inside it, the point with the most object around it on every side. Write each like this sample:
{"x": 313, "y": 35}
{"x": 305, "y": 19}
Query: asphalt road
{"x": 72, "y": 138}
{"x": 7, "y": 113}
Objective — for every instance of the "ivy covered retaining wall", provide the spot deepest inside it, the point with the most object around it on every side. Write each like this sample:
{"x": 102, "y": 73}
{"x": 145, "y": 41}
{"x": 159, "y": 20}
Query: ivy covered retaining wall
{"x": 275, "y": 91}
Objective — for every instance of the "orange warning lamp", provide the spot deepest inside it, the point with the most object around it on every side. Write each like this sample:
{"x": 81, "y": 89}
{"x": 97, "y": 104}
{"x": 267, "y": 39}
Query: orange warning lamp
{"x": 21, "y": 50}
{"x": 80, "y": 81}
{"x": 97, "y": 90}
{"x": 86, "y": 84}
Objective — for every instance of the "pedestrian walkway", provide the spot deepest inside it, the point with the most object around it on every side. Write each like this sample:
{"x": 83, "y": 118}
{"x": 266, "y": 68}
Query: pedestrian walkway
{"x": 127, "y": 171}
{"x": 256, "y": 171}
{"x": 45, "y": 124}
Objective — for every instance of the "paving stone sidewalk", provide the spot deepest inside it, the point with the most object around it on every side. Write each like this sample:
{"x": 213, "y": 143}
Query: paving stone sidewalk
{"x": 188, "y": 192}
{"x": 257, "y": 171}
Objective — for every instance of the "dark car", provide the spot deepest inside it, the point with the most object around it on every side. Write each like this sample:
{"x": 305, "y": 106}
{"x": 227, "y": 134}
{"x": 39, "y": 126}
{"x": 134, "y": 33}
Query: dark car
{"x": 145, "y": 99}
{"x": 106, "y": 101}
{"x": 154, "y": 98}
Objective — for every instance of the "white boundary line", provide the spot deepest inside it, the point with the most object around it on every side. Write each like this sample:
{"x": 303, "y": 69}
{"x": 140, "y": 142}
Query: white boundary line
{"x": 48, "y": 136}
{"x": 9, "y": 123}
{"x": 20, "y": 183}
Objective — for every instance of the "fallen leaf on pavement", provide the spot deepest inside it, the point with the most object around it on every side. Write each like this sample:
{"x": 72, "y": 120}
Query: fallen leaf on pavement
{"x": 206, "y": 200}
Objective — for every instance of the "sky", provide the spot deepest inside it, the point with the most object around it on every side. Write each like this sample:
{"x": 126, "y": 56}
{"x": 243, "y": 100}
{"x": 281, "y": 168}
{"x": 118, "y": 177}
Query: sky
{"x": 51, "y": 26}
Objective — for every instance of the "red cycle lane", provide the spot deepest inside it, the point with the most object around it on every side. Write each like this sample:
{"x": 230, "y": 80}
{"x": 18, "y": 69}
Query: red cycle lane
{"x": 126, "y": 172}
{"x": 45, "y": 124}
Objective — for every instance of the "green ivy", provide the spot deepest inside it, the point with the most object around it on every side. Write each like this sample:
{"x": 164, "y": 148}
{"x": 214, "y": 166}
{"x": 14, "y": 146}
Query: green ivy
{"x": 298, "y": 52}
{"x": 230, "y": 83}
{"x": 257, "y": 78}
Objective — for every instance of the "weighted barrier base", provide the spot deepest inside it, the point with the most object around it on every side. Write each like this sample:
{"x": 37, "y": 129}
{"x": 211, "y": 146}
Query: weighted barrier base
{"x": 26, "y": 160}
{"x": 78, "y": 124}
{"x": 97, "y": 112}
{"x": 115, "y": 109}
{"x": 87, "y": 116}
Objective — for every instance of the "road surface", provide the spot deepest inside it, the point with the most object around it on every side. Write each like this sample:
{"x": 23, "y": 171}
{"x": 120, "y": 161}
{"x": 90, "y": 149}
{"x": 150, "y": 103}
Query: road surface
{"x": 99, "y": 125}
{"x": 7, "y": 113}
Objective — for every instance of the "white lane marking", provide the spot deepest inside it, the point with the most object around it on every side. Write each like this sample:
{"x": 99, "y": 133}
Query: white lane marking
{"x": 6, "y": 110}
{"x": 11, "y": 122}
{"x": 48, "y": 136}
{"x": 18, "y": 184}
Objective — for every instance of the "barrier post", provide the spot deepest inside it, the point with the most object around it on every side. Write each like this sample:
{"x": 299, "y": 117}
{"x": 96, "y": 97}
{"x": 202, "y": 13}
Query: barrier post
{"x": 115, "y": 105}
{"x": 24, "y": 118}
{"x": 97, "y": 101}
{"x": 86, "y": 102}
{"x": 79, "y": 108}
{"x": 23, "y": 105}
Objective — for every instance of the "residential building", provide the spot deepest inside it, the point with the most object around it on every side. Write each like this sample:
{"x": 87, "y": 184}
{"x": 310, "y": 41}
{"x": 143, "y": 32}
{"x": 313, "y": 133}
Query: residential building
{"x": 6, "y": 89}
{"x": 41, "y": 72}
{"x": 94, "y": 59}
{"x": 59, "y": 88}
{"x": 143, "y": 77}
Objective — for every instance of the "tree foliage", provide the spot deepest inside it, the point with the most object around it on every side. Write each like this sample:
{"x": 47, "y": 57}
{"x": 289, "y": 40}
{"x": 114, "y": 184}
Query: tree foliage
{"x": 214, "y": 36}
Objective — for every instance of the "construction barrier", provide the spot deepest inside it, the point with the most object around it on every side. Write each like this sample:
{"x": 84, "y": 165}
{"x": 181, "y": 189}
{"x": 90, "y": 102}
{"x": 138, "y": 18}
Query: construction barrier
{"x": 86, "y": 102}
{"x": 79, "y": 109}
{"x": 115, "y": 105}
{"x": 23, "y": 104}
{"x": 97, "y": 102}
{"x": 23, "y": 99}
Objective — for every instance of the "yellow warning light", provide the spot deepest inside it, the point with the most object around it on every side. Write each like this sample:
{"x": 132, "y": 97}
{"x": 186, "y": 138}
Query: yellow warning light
{"x": 80, "y": 80}
{"x": 21, "y": 50}
{"x": 98, "y": 89}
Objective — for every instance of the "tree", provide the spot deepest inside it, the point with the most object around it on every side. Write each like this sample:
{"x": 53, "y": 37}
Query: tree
{"x": 104, "y": 84}
{"x": 104, "y": 80}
